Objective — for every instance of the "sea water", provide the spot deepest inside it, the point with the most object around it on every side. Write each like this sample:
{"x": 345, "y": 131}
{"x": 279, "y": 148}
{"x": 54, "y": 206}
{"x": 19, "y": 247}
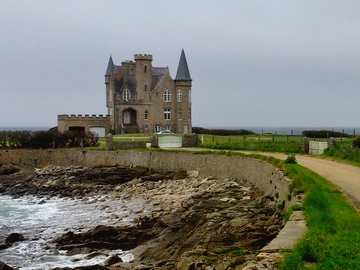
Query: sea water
{"x": 42, "y": 220}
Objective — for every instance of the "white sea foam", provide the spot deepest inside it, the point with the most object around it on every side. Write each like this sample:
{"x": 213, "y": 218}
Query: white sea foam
{"x": 41, "y": 222}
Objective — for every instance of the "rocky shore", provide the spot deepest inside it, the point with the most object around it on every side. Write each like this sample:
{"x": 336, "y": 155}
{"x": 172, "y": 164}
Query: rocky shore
{"x": 191, "y": 222}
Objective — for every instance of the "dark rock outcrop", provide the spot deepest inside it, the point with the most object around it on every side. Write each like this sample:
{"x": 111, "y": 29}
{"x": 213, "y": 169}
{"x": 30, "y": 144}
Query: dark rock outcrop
{"x": 13, "y": 238}
{"x": 4, "y": 266}
{"x": 190, "y": 222}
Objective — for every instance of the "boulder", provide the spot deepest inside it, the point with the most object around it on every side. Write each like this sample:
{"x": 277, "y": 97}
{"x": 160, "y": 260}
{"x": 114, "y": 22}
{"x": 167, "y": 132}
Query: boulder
{"x": 13, "y": 238}
{"x": 112, "y": 260}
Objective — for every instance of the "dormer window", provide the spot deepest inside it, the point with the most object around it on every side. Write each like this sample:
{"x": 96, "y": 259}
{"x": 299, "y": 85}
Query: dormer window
{"x": 126, "y": 95}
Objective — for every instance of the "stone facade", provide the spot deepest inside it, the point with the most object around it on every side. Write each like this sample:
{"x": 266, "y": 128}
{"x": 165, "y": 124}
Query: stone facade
{"x": 145, "y": 99}
{"x": 140, "y": 99}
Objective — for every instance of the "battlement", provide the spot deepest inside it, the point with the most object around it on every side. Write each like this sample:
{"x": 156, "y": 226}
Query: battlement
{"x": 82, "y": 117}
{"x": 143, "y": 57}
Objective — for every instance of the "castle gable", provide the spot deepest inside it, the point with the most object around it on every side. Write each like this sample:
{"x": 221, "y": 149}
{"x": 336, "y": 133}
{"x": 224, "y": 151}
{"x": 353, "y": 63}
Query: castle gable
{"x": 125, "y": 82}
{"x": 158, "y": 73}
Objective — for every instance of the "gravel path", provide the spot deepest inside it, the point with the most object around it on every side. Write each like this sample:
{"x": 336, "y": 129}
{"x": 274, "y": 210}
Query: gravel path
{"x": 346, "y": 177}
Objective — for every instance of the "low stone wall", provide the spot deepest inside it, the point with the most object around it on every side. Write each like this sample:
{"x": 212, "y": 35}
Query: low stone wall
{"x": 265, "y": 176}
{"x": 127, "y": 145}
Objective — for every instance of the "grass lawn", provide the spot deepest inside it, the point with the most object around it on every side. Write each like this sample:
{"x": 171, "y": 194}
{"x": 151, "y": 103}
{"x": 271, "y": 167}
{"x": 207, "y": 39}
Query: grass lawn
{"x": 333, "y": 237}
{"x": 263, "y": 142}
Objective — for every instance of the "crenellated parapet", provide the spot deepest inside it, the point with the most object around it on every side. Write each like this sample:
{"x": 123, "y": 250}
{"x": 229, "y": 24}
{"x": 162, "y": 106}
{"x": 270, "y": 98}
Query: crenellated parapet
{"x": 82, "y": 116}
{"x": 143, "y": 57}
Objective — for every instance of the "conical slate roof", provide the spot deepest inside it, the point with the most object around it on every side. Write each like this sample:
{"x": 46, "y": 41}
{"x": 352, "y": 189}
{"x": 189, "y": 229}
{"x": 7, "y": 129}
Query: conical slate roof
{"x": 183, "y": 73}
{"x": 110, "y": 67}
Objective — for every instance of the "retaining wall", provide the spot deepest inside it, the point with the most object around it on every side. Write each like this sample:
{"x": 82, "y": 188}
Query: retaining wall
{"x": 265, "y": 176}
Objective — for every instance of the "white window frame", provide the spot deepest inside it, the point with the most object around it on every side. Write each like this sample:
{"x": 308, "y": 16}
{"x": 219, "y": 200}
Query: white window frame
{"x": 179, "y": 95}
{"x": 157, "y": 128}
{"x": 167, "y": 96}
{"x": 167, "y": 114}
{"x": 126, "y": 94}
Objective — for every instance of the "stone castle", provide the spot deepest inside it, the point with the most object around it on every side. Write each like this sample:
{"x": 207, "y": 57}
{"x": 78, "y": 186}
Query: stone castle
{"x": 140, "y": 99}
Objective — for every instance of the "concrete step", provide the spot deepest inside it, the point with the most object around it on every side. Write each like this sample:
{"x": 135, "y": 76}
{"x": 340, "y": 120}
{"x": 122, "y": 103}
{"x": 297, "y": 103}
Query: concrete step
{"x": 293, "y": 230}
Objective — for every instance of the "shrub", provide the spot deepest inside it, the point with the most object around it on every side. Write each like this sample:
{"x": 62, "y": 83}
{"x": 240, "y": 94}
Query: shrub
{"x": 3, "y": 138}
{"x": 222, "y": 132}
{"x": 47, "y": 139}
{"x": 290, "y": 159}
{"x": 323, "y": 134}
{"x": 356, "y": 142}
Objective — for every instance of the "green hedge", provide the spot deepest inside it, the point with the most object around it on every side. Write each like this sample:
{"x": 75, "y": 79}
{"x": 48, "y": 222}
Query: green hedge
{"x": 47, "y": 139}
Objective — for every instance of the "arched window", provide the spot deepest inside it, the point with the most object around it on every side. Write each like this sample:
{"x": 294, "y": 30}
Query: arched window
{"x": 179, "y": 95}
{"x": 190, "y": 95}
{"x": 167, "y": 96}
{"x": 126, "y": 95}
{"x": 146, "y": 114}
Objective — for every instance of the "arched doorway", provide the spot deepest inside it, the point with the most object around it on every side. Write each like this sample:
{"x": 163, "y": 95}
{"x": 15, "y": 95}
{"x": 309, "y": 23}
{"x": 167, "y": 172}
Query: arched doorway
{"x": 129, "y": 121}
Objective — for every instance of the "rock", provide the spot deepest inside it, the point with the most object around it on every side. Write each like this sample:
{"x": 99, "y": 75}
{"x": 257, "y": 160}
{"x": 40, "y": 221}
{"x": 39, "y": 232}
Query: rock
{"x": 112, "y": 260}
{"x": 13, "y": 238}
{"x": 4, "y": 266}
{"x": 8, "y": 169}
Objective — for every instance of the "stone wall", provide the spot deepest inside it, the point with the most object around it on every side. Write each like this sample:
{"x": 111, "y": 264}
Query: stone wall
{"x": 265, "y": 176}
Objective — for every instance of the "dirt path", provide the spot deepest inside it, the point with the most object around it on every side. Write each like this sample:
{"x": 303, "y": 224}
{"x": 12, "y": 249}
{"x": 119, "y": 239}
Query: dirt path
{"x": 346, "y": 177}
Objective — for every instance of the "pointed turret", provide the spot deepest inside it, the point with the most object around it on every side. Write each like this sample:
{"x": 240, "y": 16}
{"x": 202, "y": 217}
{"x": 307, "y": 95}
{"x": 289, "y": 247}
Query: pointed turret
{"x": 110, "y": 67}
{"x": 183, "y": 73}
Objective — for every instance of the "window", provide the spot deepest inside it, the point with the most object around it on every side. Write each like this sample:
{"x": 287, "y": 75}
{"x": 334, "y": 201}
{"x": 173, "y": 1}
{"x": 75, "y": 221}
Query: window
{"x": 145, "y": 69}
{"x": 179, "y": 95}
{"x": 180, "y": 114}
{"x": 110, "y": 95}
{"x": 167, "y": 96}
{"x": 190, "y": 95}
{"x": 189, "y": 114}
{"x": 156, "y": 94}
{"x": 145, "y": 88}
{"x": 167, "y": 114}
{"x": 157, "y": 128}
{"x": 146, "y": 115}
{"x": 126, "y": 95}
{"x": 168, "y": 128}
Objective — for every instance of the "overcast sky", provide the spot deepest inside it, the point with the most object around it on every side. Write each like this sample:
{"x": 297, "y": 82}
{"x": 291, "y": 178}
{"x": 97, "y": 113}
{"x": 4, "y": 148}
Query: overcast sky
{"x": 253, "y": 63}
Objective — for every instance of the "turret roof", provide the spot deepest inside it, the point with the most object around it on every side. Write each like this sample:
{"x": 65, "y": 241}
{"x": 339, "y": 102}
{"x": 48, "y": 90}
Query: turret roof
{"x": 183, "y": 73}
{"x": 110, "y": 67}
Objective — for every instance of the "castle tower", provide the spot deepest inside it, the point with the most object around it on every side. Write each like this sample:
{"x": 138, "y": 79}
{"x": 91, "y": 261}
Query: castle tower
{"x": 183, "y": 83}
{"x": 143, "y": 74}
